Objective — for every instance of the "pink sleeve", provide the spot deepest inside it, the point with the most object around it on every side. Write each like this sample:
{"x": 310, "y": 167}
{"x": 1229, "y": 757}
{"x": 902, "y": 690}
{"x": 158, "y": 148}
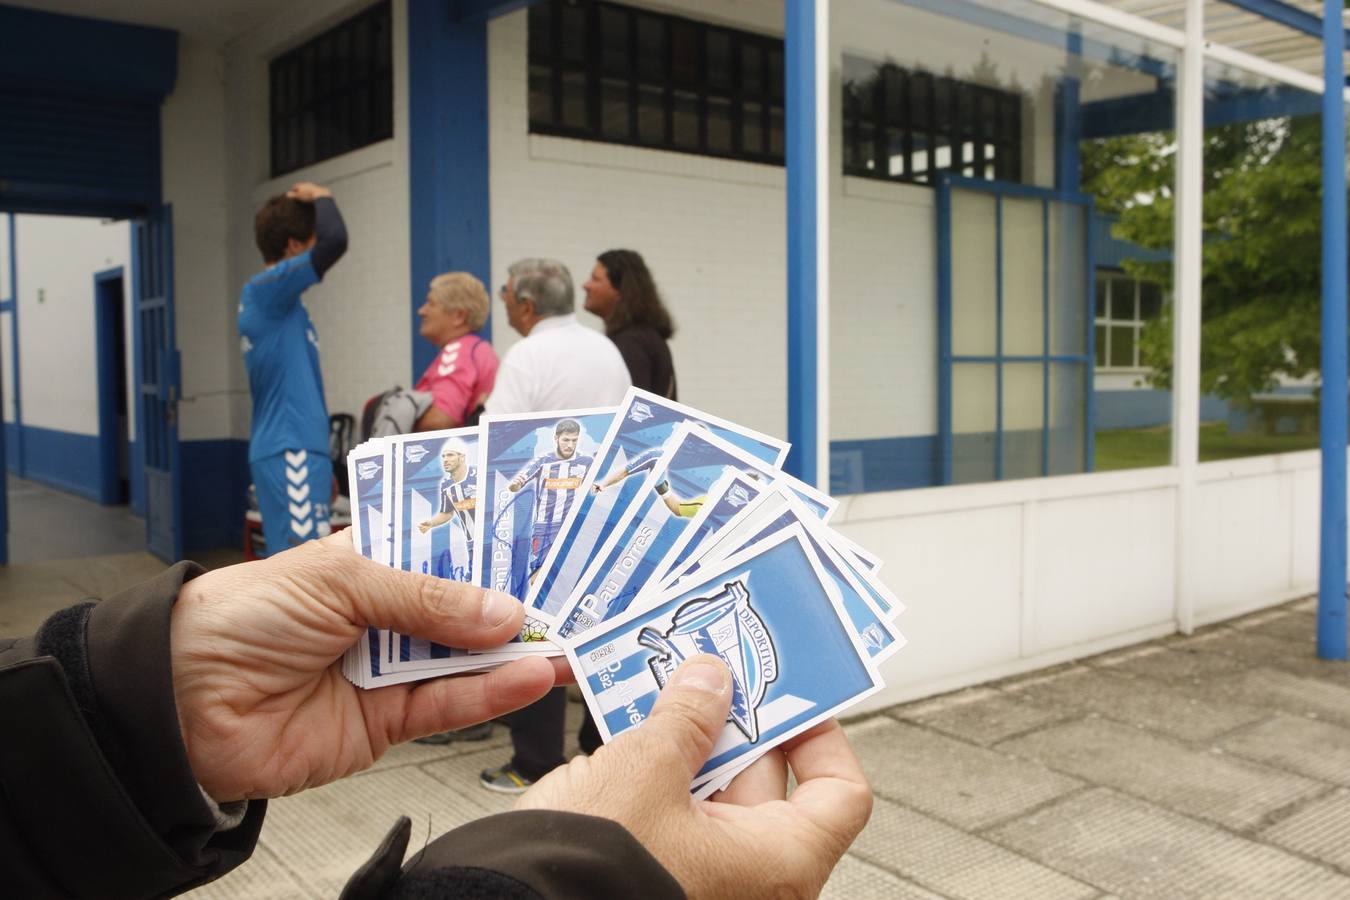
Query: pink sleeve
{"x": 452, "y": 379}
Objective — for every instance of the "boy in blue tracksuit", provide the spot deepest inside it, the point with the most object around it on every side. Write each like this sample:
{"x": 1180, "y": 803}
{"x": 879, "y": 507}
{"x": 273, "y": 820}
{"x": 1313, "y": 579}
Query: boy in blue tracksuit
{"x": 301, "y": 235}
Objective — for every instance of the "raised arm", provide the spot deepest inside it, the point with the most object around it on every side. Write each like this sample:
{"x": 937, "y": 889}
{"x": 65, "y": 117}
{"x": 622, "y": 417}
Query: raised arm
{"x": 330, "y": 234}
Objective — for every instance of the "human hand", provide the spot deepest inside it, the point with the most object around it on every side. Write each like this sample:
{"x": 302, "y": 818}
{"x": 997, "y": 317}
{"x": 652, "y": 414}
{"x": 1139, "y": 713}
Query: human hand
{"x": 263, "y": 706}
{"x": 752, "y": 840}
{"x": 308, "y": 191}
{"x": 424, "y": 527}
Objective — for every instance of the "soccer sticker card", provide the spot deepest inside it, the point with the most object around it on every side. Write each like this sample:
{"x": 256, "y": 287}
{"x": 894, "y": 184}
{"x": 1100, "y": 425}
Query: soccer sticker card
{"x": 641, "y": 427}
{"x": 435, "y": 502}
{"x": 793, "y": 656}
{"x": 672, "y": 494}
{"x": 532, "y": 468}
{"x": 370, "y": 526}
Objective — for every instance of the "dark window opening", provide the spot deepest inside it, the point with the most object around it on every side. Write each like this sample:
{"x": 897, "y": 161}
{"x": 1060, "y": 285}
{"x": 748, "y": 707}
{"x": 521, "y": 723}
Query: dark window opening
{"x": 334, "y": 93}
{"x": 605, "y": 72}
{"x": 908, "y": 125}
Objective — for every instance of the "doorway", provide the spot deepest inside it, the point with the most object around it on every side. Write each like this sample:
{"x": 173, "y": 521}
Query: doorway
{"x": 110, "y": 340}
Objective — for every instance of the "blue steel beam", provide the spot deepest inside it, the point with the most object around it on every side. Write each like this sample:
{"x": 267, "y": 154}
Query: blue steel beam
{"x": 1286, "y": 15}
{"x": 1331, "y": 622}
{"x": 799, "y": 63}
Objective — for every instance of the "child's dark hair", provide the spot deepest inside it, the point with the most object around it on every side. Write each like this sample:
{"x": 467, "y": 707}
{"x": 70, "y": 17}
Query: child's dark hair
{"x": 281, "y": 219}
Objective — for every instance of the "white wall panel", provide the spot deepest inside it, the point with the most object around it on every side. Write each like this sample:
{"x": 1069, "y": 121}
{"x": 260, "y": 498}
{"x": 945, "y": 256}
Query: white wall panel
{"x": 1104, "y": 565}
{"x": 6, "y": 366}
{"x": 5, "y": 290}
{"x": 1304, "y": 532}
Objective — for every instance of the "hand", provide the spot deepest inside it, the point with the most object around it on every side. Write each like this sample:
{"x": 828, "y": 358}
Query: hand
{"x": 424, "y": 527}
{"x": 751, "y": 840}
{"x": 308, "y": 191}
{"x": 262, "y": 702}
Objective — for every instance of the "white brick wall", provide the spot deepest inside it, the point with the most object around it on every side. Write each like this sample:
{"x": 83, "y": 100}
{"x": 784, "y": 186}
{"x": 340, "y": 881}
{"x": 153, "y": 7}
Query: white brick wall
{"x": 362, "y": 309}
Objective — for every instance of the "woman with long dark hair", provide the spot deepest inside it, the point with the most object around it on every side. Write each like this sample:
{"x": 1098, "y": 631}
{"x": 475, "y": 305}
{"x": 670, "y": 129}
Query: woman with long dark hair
{"x": 621, "y": 291}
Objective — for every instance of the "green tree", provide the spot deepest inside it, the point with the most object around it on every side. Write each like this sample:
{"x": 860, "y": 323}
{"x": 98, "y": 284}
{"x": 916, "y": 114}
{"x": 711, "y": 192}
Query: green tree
{"x": 1262, "y": 245}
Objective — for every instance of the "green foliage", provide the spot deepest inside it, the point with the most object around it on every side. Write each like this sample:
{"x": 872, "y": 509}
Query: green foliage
{"x": 1262, "y": 245}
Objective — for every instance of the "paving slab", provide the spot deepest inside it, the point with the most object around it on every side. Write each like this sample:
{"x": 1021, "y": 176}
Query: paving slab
{"x": 1296, "y": 744}
{"x": 982, "y": 716}
{"x": 1287, "y": 625}
{"x": 460, "y": 774}
{"x": 955, "y": 864}
{"x": 1134, "y": 849}
{"x": 1202, "y": 783}
{"x": 414, "y": 754}
{"x": 263, "y": 877}
{"x": 1320, "y": 830}
{"x": 856, "y": 879}
{"x": 1282, "y": 691}
{"x": 335, "y": 828}
{"x": 1173, "y": 664}
{"x": 960, "y": 783}
{"x": 1128, "y": 699}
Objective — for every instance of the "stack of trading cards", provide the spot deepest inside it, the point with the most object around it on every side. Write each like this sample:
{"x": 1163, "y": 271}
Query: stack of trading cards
{"x": 636, "y": 537}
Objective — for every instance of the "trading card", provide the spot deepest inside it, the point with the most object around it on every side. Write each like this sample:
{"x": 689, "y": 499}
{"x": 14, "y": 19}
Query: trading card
{"x": 531, "y": 467}
{"x": 673, "y": 493}
{"x": 365, "y": 474}
{"x": 732, "y": 495}
{"x": 794, "y": 658}
{"x": 643, "y": 424}
{"x": 874, "y": 628}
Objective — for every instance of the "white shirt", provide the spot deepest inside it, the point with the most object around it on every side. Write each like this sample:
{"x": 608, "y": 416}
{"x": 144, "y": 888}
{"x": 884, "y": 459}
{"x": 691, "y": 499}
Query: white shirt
{"x": 561, "y": 364}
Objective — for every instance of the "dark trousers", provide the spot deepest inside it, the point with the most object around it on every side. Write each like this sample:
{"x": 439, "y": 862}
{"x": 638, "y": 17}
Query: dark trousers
{"x": 537, "y": 735}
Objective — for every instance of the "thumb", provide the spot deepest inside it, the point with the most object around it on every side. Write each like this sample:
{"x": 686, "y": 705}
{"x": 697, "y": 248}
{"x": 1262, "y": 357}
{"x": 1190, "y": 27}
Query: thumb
{"x": 688, "y": 716}
{"x": 448, "y": 612}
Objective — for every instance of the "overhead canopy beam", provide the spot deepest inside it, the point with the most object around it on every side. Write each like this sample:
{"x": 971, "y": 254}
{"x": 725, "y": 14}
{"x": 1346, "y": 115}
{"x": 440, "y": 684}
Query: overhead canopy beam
{"x": 1284, "y": 14}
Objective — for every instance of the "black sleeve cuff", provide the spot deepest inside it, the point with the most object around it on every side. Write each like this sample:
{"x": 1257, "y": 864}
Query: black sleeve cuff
{"x": 527, "y": 854}
{"x": 330, "y": 236}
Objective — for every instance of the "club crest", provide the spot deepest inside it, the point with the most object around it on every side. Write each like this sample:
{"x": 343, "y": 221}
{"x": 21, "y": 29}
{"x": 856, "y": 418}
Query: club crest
{"x": 640, "y": 412}
{"x": 414, "y": 453}
{"x": 738, "y": 496}
{"x": 726, "y": 626}
{"x": 367, "y": 470}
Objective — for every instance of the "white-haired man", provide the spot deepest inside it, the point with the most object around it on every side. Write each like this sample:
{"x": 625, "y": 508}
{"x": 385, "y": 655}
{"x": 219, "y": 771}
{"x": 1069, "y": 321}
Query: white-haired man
{"x": 561, "y": 364}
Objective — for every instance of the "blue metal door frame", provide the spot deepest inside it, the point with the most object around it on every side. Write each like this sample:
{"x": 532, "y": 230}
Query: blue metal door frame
{"x": 157, "y": 380}
{"x": 947, "y": 358}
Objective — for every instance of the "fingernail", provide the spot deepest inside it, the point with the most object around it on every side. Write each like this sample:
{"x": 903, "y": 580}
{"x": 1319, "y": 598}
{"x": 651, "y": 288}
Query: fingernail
{"x": 498, "y": 607}
{"x": 702, "y": 676}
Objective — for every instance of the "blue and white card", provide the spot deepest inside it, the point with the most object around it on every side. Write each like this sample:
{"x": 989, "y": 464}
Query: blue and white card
{"x": 673, "y": 493}
{"x": 732, "y": 496}
{"x": 532, "y": 468}
{"x": 643, "y": 424}
{"x": 782, "y": 511}
{"x": 370, "y": 525}
{"x": 795, "y": 659}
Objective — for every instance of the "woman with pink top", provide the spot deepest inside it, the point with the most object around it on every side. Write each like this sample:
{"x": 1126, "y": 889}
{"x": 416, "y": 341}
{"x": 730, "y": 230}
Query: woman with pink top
{"x": 462, "y": 374}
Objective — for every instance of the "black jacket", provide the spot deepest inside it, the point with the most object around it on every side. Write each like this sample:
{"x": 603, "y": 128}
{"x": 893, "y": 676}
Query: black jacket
{"x": 647, "y": 356}
{"x": 97, "y": 798}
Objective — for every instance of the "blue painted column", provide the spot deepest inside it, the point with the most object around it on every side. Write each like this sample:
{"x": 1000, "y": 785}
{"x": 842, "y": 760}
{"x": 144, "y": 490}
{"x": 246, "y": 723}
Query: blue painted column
{"x": 447, "y": 152}
{"x": 799, "y": 64}
{"x": 1331, "y": 622}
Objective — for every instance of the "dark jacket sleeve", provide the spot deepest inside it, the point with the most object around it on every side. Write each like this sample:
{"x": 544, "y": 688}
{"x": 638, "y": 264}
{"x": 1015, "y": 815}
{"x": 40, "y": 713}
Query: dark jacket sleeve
{"x": 524, "y": 855}
{"x": 96, "y": 795}
{"x": 330, "y": 236}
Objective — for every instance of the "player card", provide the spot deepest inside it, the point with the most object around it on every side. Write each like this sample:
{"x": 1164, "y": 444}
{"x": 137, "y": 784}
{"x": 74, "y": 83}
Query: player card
{"x": 643, "y": 424}
{"x": 794, "y": 658}
{"x": 532, "y": 468}
{"x": 672, "y": 494}
{"x": 785, "y": 511}
{"x": 731, "y": 496}
{"x": 370, "y": 526}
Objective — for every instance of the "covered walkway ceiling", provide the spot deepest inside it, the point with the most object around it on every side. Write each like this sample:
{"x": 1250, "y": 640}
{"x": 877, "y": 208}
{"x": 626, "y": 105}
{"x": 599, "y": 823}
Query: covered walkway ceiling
{"x": 1236, "y": 24}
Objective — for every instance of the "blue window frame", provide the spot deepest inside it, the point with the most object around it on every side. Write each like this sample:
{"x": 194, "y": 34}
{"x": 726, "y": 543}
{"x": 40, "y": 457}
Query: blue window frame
{"x": 1016, "y": 344}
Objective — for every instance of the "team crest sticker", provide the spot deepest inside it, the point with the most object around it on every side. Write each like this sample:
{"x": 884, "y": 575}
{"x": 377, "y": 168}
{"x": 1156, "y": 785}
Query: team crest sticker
{"x": 367, "y": 470}
{"x": 738, "y": 496}
{"x": 725, "y": 626}
{"x": 640, "y": 412}
{"x": 414, "y": 453}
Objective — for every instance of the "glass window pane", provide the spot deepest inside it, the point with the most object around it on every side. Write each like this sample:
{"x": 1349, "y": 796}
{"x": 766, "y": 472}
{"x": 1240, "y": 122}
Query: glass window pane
{"x": 651, "y": 114}
{"x": 752, "y": 68}
{"x": 1103, "y": 294}
{"x": 541, "y": 29}
{"x": 613, "y": 40}
{"x": 685, "y": 121}
{"x": 1123, "y": 300}
{"x": 974, "y": 274}
{"x": 1069, "y": 298}
{"x": 574, "y": 100}
{"x": 651, "y": 34}
{"x": 614, "y": 109}
{"x": 776, "y": 131}
{"x": 1100, "y": 348}
{"x": 684, "y": 65}
{"x": 1023, "y": 236}
{"x": 719, "y": 125}
{"x": 573, "y": 21}
{"x": 1150, "y": 300}
{"x": 1023, "y": 419}
{"x": 752, "y": 128}
{"x": 776, "y": 85}
{"x": 717, "y": 63}
{"x": 1122, "y": 346}
{"x": 895, "y": 153}
{"x": 541, "y": 95}
{"x": 1067, "y": 415}
{"x": 974, "y": 422}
